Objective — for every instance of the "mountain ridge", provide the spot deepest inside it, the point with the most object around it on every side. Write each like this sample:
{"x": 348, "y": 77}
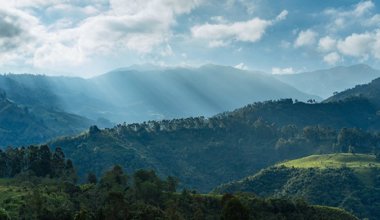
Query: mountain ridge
{"x": 326, "y": 82}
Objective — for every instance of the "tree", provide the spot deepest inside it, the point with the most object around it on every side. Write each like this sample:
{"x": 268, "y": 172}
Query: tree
{"x": 58, "y": 162}
{"x": 172, "y": 184}
{"x": 42, "y": 163}
{"x": 4, "y": 215}
{"x": 114, "y": 180}
{"x": 70, "y": 173}
{"x": 377, "y": 154}
{"x": 91, "y": 178}
{"x": 234, "y": 210}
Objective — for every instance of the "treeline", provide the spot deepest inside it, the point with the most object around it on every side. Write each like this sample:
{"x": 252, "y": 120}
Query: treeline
{"x": 143, "y": 195}
{"x": 251, "y": 138}
{"x": 35, "y": 160}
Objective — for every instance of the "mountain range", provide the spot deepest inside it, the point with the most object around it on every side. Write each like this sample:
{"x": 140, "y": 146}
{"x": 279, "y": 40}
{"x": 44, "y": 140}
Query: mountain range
{"x": 325, "y": 83}
{"x": 203, "y": 152}
{"x": 68, "y": 105}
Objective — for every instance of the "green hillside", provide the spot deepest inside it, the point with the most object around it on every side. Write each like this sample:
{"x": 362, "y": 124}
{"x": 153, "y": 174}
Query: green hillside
{"x": 342, "y": 160}
{"x": 368, "y": 91}
{"x": 23, "y": 125}
{"x": 206, "y": 152}
{"x": 36, "y": 183}
{"x": 348, "y": 181}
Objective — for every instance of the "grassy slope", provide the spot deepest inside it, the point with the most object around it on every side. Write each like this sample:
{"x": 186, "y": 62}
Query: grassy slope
{"x": 354, "y": 161}
{"x": 361, "y": 164}
{"x": 348, "y": 181}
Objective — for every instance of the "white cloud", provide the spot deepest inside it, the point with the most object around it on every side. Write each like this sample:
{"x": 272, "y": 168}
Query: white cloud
{"x": 327, "y": 44}
{"x": 287, "y": 70}
{"x": 245, "y": 31}
{"x": 306, "y": 38}
{"x": 373, "y": 21}
{"x": 217, "y": 43}
{"x": 282, "y": 15}
{"x": 241, "y": 66}
{"x": 332, "y": 58}
{"x": 249, "y": 31}
{"x": 357, "y": 45}
{"x": 363, "y": 7}
{"x": 358, "y": 14}
{"x": 218, "y": 19}
{"x": 78, "y": 31}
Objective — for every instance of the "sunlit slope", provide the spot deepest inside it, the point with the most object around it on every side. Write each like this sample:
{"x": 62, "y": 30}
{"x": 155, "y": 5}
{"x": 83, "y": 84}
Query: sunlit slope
{"x": 348, "y": 181}
{"x": 186, "y": 92}
{"x": 342, "y": 160}
{"x": 139, "y": 94}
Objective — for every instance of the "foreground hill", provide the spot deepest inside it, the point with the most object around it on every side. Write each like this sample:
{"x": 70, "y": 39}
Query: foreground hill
{"x": 20, "y": 125}
{"x": 324, "y": 83}
{"x": 349, "y": 181}
{"x": 42, "y": 185}
{"x": 205, "y": 152}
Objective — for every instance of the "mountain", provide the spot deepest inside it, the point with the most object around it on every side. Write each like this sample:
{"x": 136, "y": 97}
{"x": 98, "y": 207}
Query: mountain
{"x": 348, "y": 181}
{"x": 21, "y": 125}
{"x": 205, "y": 152}
{"x": 370, "y": 91}
{"x": 142, "y": 93}
{"x": 325, "y": 83}
{"x": 66, "y": 94}
{"x": 188, "y": 92}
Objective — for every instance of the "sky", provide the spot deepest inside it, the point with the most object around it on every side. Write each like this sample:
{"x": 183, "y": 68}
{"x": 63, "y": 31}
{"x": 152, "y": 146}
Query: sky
{"x": 87, "y": 38}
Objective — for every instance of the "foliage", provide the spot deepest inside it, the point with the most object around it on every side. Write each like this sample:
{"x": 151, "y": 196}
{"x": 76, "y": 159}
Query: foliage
{"x": 196, "y": 149}
{"x": 24, "y": 124}
{"x": 144, "y": 196}
{"x": 36, "y": 160}
{"x": 348, "y": 181}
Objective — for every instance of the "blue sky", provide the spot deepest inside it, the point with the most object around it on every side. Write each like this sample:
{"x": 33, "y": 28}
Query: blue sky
{"x": 87, "y": 38}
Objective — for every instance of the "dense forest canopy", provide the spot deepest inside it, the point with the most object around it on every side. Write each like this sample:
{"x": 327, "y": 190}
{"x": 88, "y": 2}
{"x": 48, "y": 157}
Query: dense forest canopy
{"x": 350, "y": 181}
{"x": 250, "y": 138}
{"x": 44, "y": 188}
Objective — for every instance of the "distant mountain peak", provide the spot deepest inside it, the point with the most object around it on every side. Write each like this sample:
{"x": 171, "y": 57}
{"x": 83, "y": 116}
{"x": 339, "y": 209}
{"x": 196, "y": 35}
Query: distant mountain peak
{"x": 326, "y": 82}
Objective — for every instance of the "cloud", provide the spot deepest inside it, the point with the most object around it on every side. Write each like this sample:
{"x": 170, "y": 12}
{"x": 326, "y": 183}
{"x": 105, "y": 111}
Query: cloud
{"x": 244, "y": 31}
{"x": 327, "y": 44}
{"x": 241, "y": 66}
{"x": 248, "y": 31}
{"x": 306, "y": 38}
{"x": 363, "y": 7}
{"x": 357, "y": 45}
{"x": 332, "y": 58}
{"x": 282, "y": 15}
{"x": 217, "y": 43}
{"x": 75, "y": 32}
{"x": 287, "y": 70}
{"x": 358, "y": 14}
{"x": 372, "y": 21}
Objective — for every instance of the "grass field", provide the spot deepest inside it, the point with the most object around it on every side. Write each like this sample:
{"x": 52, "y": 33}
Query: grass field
{"x": 354, "y": 161}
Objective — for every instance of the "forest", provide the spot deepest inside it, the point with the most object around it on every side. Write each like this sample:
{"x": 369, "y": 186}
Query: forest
{"x": 43, "y": 185}
{"x": 349, "y": 181}
{"x": 251, "y": 138}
